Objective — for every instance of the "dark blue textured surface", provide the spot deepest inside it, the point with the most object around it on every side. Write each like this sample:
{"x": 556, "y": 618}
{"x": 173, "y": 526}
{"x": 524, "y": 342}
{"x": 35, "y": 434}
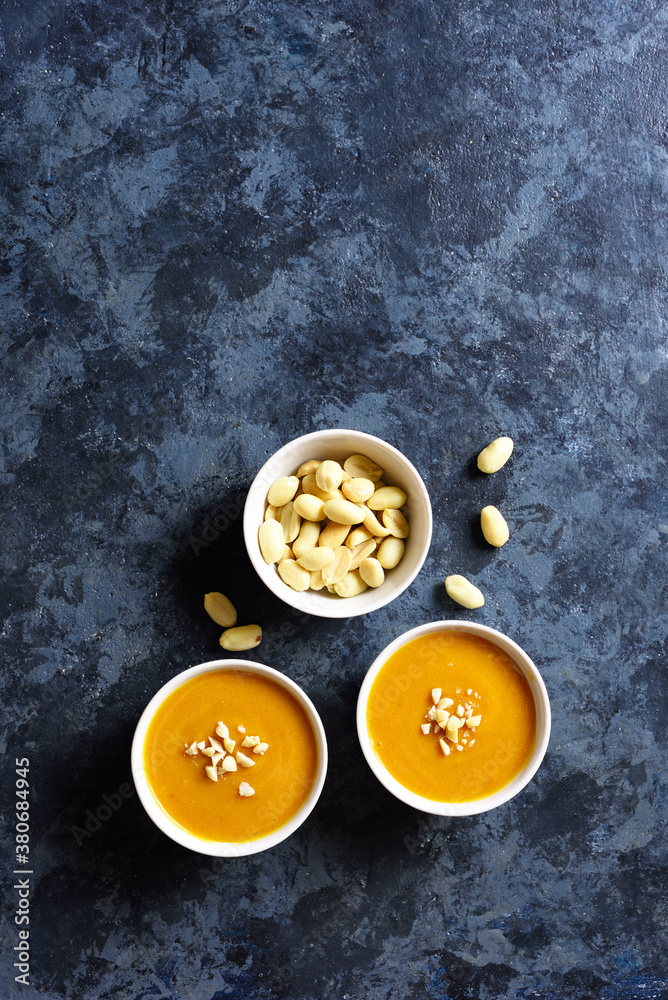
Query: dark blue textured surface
{"x": 229, "y": 223}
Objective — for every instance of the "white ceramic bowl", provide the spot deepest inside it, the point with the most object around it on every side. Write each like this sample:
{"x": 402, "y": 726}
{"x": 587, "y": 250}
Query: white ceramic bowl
{"x": 338, "y": 445}
{"x": 543, "y": 723}
{"x": 164, "y": 822}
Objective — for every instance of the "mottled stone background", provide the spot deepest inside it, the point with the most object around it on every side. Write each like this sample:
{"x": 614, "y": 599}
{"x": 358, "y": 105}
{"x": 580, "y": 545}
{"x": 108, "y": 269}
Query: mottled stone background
{"x": 229, "y": 223}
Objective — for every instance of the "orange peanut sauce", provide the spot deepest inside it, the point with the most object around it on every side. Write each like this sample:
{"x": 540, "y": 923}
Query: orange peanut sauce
{"x": 282, "y": 778}
{"x": 455, "y": 662}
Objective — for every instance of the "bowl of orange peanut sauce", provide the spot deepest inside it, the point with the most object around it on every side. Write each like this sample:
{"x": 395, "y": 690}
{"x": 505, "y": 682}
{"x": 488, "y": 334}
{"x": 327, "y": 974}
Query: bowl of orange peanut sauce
{"x": 453, "y": 718}
{"x": 229, "y": 757}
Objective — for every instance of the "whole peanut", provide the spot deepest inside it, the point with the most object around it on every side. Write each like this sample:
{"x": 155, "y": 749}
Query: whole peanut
{"x": 463, "y": 592}
{"x": 494, "y": 526}
{"x": 242, "y": 637}
{"x": 221, "y": 609}
{"x": 495, "y": 455}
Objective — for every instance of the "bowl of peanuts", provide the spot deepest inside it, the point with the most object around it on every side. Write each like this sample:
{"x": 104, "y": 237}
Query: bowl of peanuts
{"x": 337, "y": 523}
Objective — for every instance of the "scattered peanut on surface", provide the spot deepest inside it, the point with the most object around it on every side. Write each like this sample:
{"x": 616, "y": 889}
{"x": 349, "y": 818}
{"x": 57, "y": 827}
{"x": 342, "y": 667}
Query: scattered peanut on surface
{"x": 241, "y": 637}
{"x": 221, "y": 609}
{"x": 494, "y": 526}
{"x": 492, "y": 522}
{"x": 495, "y": 455}
{"x": 463, "y": 592}
{"x": 223, "y": 612}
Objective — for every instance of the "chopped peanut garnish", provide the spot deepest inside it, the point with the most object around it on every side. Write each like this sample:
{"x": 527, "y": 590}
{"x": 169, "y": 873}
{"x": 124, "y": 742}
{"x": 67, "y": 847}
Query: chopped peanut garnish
{"x": 447, "y": 725}
{"x": 221, "y": 759}
{"x": 452, "y": 729}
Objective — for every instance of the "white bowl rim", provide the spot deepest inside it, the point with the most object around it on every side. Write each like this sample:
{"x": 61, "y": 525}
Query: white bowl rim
{"x": 312, "y": 602}
{"x": 543, "y": 721}
{"x": 219, "y": 848}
